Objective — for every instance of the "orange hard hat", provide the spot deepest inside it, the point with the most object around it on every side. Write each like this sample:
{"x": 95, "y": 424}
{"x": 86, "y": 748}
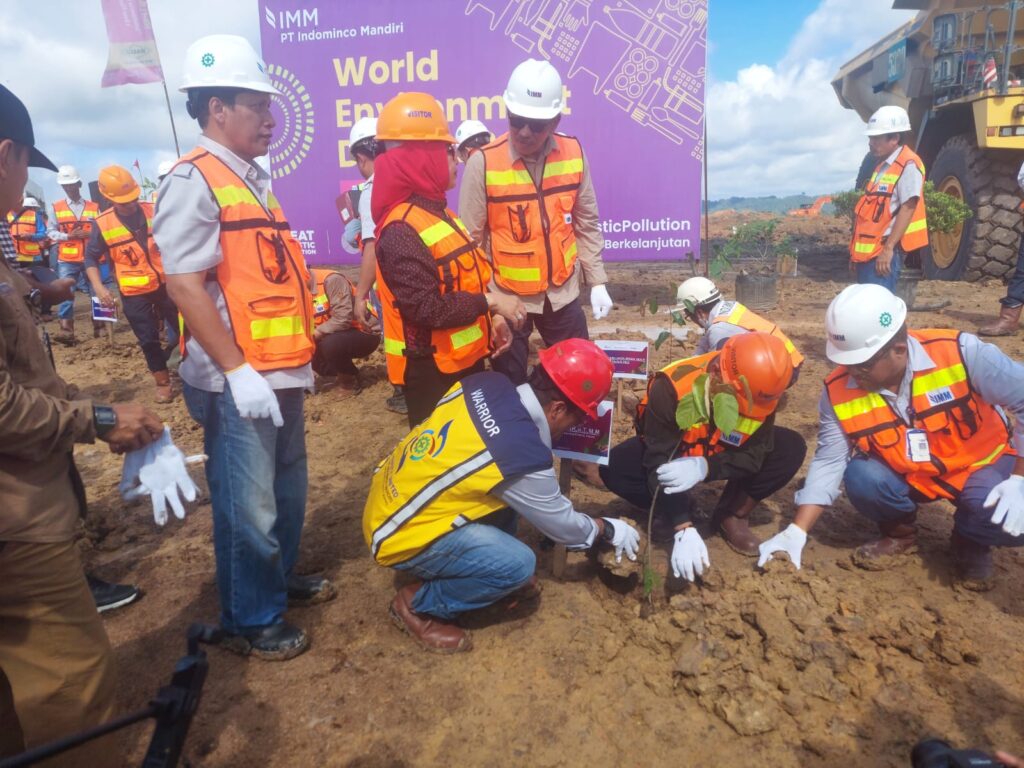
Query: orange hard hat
{"x": 581, "y": 370}
{"x": 763, "y": 361}
{"x": 413, "y": 116}
{"x": 117, "y": 185}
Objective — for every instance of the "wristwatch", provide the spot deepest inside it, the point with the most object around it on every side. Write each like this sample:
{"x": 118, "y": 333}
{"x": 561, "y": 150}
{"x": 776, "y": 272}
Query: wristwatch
{"x": 609, "y": 531}
{"x": 104, "y": 419}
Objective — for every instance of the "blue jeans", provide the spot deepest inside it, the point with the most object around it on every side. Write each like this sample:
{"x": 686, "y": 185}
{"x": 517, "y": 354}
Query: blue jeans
{"x": 76, "y": 269}
{"x": 258, "y": 480}
{"x": 866, "y": 274}
{"x": 469, "y": 568}
{"x": 1015, "y": 289}
{"x": 881, "y": 495}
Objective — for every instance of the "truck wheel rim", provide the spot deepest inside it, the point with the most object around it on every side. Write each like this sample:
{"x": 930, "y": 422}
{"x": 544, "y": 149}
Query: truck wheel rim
{"x": 946, "y": 245}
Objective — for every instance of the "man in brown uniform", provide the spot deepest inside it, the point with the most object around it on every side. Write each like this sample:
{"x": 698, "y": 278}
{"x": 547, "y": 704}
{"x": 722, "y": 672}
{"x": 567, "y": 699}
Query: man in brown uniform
{"x": 56, "y": 669}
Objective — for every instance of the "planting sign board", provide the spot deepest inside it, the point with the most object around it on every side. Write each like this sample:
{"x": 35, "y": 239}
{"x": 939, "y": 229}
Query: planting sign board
{"x": 628, "y": 357}
{"x": 633, "y": 74}
{"x": 590, "y": 440}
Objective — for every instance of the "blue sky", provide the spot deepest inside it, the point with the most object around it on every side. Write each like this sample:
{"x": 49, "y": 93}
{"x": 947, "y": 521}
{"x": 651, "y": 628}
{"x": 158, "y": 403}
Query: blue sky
{"x": 732, "y": 41}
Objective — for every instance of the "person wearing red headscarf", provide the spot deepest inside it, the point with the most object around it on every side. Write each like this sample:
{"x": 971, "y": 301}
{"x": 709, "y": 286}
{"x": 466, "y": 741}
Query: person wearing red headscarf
{"x": 440, "y": 321}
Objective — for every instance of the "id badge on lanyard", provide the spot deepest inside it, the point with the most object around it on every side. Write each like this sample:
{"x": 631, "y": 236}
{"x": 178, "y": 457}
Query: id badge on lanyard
{"x": 917, "y": 446}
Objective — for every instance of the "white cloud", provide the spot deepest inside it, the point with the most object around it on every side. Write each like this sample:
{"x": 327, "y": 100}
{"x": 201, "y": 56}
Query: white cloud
{"x": 779, "y": 130}
{"x": 53, "y": 59}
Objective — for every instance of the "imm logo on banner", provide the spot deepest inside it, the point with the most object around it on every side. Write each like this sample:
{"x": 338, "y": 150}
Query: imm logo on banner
{"x": 298, "y": 19}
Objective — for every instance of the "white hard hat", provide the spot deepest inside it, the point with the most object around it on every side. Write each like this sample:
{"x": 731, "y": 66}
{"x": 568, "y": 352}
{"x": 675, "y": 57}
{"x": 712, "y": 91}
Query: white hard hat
{"x": 224, "y": 61}
{"x": 534, "y": 91}
{"x": 67, "y": 174}
{"x": 29, "y": 202}
{"x": 889, "y": 119}
{"x": 860, "y": 320}
{"x": 365, "y": 128}
{"x": 467, "y": 130}
{"x": 697, "y": 290}
{"x": 164, "y": 168}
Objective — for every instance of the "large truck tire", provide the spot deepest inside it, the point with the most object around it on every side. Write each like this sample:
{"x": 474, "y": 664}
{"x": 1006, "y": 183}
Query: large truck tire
{"x": 986, "y": 244}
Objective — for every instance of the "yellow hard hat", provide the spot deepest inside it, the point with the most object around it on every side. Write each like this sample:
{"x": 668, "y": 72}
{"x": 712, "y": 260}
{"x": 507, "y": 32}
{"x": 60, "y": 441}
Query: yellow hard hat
{"x": 118, "y": 185}
{"x": 413, "y": 116}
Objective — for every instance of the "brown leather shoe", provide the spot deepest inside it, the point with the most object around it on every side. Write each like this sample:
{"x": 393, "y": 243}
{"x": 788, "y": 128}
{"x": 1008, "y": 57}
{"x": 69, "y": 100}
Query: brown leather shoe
{"x": 432, "y": 633}
{"x": 972, "y": 563}
{"x": 1006, "y": 325}
{"x": 529, "y": 591}
{"x": 897, "y": 539}
{"x": 737, "y": 534}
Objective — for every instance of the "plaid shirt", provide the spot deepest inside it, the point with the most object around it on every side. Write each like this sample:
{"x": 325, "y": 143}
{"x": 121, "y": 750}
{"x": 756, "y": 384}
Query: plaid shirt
{"x": 7, "y": 249}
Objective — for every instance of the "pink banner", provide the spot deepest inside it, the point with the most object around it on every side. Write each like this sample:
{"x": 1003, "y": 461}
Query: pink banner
{"x": 133, "y": 56}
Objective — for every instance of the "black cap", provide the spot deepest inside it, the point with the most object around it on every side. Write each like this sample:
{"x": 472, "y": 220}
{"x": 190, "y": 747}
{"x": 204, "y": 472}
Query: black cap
{"x": 15, "y": 124}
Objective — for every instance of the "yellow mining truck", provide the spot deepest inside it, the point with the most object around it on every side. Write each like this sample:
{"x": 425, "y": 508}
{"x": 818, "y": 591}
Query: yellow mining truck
{"x": 959, "y": 75}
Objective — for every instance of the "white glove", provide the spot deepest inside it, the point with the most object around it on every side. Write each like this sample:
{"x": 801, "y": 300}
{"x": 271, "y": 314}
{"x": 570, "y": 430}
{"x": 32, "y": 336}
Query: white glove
{"x": 600, "y": 301}
{"x": 689, "y": 554}
{"x": 159, "y": 471}
{"x": 254, "y": 397}
{"x": 626, "y": 539}
{"x": 1008, "y": 499}
{"x": 791, "y": 541}
{"x": 681, "y": 475}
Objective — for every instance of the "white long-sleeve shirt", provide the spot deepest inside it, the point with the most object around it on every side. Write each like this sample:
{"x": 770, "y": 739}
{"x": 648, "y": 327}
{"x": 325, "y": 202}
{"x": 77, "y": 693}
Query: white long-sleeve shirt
{"x": 996, "y": 378}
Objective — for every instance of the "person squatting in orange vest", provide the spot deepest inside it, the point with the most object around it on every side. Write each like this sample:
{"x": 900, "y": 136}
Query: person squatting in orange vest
{"x": 440, "y": 320}
{"x": 241, "y": 282}
{"x": 889, "y": 219}
{"x": 912, "y": 416}
{"x": 756, "y": 457}
{"x": 124, "y": 235}
{"x": 528, "y": 198}
{"x": 340, "y": 335}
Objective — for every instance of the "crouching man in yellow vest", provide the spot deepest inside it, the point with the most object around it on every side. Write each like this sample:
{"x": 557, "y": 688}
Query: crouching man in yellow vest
{"x": 241, "y": 282}
{"x": 912, "y": 416}
{"x": 439, "y": 504}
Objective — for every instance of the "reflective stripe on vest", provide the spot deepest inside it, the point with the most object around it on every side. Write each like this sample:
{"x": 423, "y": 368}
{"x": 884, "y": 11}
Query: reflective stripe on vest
{"x": 872, "y": 215}
{"x": 440, "y": 476}
{"x": 263, "y": 274}
{"x": 23, "y": 225}
{"x": 532, "y": 239}
{"x": 742, "y": 317}
{"x": 964, "y": 432}
{"x": 138, "y": 269}
{"x": 72, "y": 250}
{"x": 461, "y": 267}
{"x": 700, "y": 439}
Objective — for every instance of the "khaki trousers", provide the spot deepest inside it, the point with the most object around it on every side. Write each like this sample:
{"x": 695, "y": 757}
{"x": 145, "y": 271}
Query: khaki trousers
{"x": 56, "y": 666}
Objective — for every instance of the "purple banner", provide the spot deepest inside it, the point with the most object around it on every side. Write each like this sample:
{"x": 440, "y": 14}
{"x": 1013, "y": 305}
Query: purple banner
{"x": 634, "y": 88}
{"x": 133, "y": 57}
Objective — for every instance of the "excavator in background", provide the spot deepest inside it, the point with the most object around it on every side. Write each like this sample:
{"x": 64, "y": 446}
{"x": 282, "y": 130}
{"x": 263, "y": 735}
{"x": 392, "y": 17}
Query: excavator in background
{"x": 812, "y": 209}
{"x": 957, "y": 68}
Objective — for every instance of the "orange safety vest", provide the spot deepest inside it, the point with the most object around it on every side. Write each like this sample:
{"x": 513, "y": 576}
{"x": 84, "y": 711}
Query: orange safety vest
{"x": 461, "y": 266}
{"x": 872, "y": 214}
{"x": 533, "y": 243}
{"x": 138, "y": 266}
{"x": 23, "y": 226}
{"x": 263, "y": 274}
{"x": 702, "y": 439}
{"x": 738, "y": 314}
{"x": 964, "y": 432}
{"x": 322, "y": 304}
{"x": 73, "y": 249}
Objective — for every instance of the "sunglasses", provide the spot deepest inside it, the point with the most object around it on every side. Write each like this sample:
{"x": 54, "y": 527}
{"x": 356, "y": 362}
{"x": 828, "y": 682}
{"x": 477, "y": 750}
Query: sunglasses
{"x": 516, "y": 122}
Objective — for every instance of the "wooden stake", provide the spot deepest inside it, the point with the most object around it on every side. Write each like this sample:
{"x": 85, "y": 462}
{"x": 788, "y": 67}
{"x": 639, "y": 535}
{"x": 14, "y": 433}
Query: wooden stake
{"x": 559, "y": 556}
{"x": 618, "y": 397}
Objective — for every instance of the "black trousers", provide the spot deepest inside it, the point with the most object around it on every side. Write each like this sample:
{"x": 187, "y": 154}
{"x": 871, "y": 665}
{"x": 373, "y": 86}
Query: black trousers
{"x": 425, "y": 385}
{"x": 569, "y": 322}
{"x": 626, "y": 477}
{"x": 336, "y": 351}
{"x": 145, "y": 313}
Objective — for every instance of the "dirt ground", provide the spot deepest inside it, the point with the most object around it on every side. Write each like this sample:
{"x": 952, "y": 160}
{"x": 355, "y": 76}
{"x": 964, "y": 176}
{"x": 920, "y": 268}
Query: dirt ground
{"x": 828, "y": 666}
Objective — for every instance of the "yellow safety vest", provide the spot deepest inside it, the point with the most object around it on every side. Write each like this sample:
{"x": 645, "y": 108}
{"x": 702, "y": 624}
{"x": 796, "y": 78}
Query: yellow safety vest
{"x": 440, "y": 477}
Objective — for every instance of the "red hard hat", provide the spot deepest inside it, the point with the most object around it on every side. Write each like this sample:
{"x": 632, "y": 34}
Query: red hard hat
{"x": 763, "y": 360}
{"x": 581, "y": 370}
